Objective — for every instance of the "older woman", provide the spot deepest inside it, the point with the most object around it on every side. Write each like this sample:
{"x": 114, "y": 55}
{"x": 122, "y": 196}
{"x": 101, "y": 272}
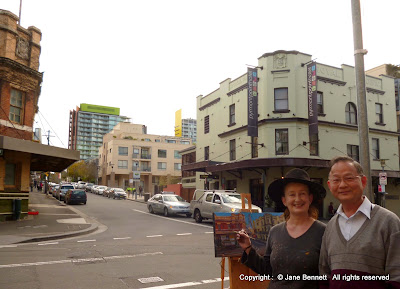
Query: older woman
{"x": 293, "y": 246}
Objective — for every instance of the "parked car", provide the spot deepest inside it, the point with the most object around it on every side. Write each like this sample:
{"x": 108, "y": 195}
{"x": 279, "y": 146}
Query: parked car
{"x": 88, "y": 187}
{"x": 205, "y": 203}
{"x": 100, "y": 190}
{"x": 81, "y": 185}
{"x": 53, "y": 189}
{"x": 94, "y": 189}
{"x": 60, "y": 194}
{"x": 168, "y": 204}
{"x": 106, "y": 192}
{"x": 75, "y": 196}
{"x": 117, "y": 193}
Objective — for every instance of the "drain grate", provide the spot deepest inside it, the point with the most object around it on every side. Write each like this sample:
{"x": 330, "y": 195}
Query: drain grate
{"x": 150, "y": 280}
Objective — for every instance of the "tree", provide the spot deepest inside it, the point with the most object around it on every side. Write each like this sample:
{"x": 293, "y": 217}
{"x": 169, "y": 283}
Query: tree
{"x": 84, "y": 170}
{"x": 393, "y": 70}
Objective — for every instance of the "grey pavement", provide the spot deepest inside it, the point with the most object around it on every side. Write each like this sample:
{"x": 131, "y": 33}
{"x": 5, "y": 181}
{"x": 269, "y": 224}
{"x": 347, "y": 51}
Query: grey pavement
{"x": 55, "y": 220}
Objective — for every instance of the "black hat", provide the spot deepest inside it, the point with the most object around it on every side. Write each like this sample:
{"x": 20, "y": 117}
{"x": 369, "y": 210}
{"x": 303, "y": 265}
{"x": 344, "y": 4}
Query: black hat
{"x": 276, "y": 188}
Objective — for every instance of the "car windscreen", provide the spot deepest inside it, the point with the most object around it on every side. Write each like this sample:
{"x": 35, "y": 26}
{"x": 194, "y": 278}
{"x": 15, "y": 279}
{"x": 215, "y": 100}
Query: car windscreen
{"x": 119, "y": 190}
{"x": 78, "y": 193}
{"x": 232, "y": 198}
{"x": 67, "y": 187}
{"x": 173, "y": 199}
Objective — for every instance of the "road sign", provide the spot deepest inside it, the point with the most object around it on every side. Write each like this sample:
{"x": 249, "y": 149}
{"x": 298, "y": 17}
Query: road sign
{"x": 136, "y": 175}
{"x": 213, "y": 177}
{"x": 383, "y": 178}
{"x": 381, "y": 189}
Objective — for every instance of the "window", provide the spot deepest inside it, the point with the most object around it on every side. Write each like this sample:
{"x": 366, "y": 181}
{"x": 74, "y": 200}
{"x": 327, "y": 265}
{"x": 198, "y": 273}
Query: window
{"x": 9, "y": 179}
{"x": 122, "y": 164}
{"x": 314, "y": 148}
{"x": 375, "y": 148}
{"x": 206, "y": 153}
{"x": 162, "y": 153}
{"x": 171, "y": 141}
{"x": 177, "y": 155}
{"x": 281, "y": 99}
{"x": 232, "y": 149}
{"x": 320, "y": 102}
{"x": 353, "y": 152}
{"x": 281, "y": 142}
{"x": 123, "y": 151}
{"x": 185, "y": 142}
{"x": 16, "y": 106}
{"x": 135, "y": 166}
{"x": 177, "y": 167}
{"x": 379, "y": 113}
{"x": 206, "y": 124}
{"x": 157, "y": 140}
{"x": 162, "y": 166}
{"x": 147, "y": 139}
{"x": 254, "y": 147}
{"x": 351, "y": 113}
{"x": 232, "y": 114}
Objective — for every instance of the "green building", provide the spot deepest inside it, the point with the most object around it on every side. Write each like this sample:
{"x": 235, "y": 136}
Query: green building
{"x": 87, "y": 125}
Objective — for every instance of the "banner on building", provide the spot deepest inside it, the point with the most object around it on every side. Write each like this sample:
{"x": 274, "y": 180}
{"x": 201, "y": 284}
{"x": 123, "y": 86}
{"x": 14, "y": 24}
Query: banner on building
{"x": 178, "y": 123}
{"x": 312, "y": 98}
{"x": 252, "y": 102}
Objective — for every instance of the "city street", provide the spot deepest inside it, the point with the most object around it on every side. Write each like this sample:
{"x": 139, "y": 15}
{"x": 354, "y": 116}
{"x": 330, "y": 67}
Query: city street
{"x": 131, "y": 249}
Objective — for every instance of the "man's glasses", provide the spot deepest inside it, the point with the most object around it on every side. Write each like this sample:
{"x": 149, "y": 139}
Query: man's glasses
{"x": 347, "y": 180}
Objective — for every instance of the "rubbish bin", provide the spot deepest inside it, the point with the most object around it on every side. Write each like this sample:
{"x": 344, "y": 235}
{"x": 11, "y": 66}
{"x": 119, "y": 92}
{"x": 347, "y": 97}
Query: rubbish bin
{"x": 146, "y": 197}
{"x": 17, "y": 203}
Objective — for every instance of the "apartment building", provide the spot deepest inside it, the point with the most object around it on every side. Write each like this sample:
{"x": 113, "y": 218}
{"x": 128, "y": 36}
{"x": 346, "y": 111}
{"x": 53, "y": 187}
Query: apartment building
{"x": 189, "y": 128}
{"x": 87, "y": 126}
{"x": 128, "y": 148}
{"x": 255, "y": 128}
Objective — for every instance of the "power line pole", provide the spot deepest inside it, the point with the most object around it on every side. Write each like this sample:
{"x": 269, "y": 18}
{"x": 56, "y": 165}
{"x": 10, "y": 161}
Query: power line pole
{"x": 48, "y": 136}
{"x": 363, "y": 135}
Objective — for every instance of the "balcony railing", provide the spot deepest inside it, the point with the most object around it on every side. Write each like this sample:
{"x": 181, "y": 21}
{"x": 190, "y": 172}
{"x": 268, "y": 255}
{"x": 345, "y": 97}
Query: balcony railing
{"x": 145, "y": 156}
{"x": 145, "y": 169}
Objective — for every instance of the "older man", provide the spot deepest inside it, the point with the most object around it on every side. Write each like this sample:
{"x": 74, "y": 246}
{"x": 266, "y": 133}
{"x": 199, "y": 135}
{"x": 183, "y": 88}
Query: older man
{"x": 361, "y": 244}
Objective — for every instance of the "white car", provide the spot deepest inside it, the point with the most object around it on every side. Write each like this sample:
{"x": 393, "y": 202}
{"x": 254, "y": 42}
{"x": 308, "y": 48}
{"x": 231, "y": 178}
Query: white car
{"x": 100, "y": 190}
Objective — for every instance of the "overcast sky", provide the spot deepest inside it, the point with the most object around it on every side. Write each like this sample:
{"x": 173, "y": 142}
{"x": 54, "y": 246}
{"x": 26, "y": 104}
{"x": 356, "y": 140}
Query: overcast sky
{"x": 153, "y": 57}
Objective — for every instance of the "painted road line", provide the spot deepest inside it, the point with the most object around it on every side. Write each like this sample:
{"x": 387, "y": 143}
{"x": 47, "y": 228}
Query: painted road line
{"x": 83, "y": 241}
{"x": 78, "y": 260}
{"x": 154, "y": 236}
{"x": 44, "y": 244}
{"x": 8, "y": 246}
{"x": 184, "y": 234}
{"x": 194, "y": 224}
{"x": 187, "y": 284}
{"x": 209, "y": 232}
{"x": 123, "y": 238}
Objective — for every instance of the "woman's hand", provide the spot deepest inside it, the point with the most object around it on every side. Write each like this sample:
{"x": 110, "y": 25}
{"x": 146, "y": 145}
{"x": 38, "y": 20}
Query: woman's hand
{"x": 243, "y": 240}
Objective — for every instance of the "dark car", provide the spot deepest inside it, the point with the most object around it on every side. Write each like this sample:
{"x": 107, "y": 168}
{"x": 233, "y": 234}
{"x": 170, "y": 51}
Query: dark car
{"x": 76, "y": 196}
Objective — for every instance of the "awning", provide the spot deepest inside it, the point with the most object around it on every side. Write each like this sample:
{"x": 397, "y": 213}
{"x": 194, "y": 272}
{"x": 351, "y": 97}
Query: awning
{"x": 43, "y": 157}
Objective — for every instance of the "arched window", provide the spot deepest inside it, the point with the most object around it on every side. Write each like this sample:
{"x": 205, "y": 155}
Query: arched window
{"x": 351, "y": 113}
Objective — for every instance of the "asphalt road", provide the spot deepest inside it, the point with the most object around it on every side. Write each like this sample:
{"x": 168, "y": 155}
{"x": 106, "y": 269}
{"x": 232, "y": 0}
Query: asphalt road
{"x": 132, "y": 249}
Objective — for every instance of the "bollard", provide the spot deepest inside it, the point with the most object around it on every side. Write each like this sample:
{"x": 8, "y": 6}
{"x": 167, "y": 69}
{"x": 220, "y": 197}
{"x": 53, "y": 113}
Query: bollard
{"x": 17, "y": 203}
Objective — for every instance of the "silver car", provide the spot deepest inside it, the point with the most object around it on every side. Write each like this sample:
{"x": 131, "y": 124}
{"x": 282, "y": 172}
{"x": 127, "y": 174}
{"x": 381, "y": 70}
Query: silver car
{"x": 168, "y": 204}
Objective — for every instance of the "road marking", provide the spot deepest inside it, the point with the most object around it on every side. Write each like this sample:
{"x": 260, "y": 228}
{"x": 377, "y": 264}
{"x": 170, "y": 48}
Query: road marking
{"x": 150, "y": 280}
{"x": 184, "y": 234}
{"x": 8, "y": 246}
{"x": 194, "y": 224}
{"x": 44, "y": 244}
{"x": 187, "y": 284}
{"x": 78, "y": 260}
{"x": 82, "y": 241}
{"x": 209, "y": 232}
{"x": 124, "y": 238}
{"x": 153, "y": 236}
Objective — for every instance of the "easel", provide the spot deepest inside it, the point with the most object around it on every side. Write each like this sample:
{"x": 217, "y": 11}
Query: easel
{"x": 236, "y": 268}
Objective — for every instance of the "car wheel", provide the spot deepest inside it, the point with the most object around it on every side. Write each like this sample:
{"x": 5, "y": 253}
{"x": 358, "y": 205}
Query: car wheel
{"x": 84, "y": 203}
{"x": 197, "y": 216}
{"x": 151, "y": 210}
{"x": 165, "y": 212}
{"x": 188, "y": 215}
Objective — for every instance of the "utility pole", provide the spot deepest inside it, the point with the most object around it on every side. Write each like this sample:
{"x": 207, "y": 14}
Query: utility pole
{"x": 48, "y": 137}
{"x": 363, "y": 135}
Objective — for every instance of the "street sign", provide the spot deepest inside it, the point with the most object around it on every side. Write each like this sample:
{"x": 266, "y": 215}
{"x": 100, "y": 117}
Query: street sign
{"x": 381, "y": 189}
{"x": 383, "y": 178}
{"x": 212, "y": 177}
{"x": 131, "y": 181}
{"x": 136, "y": 175}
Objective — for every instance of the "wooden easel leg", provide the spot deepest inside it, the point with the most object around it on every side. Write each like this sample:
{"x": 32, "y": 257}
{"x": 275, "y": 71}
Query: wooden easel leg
{"x": 222, "y": 272}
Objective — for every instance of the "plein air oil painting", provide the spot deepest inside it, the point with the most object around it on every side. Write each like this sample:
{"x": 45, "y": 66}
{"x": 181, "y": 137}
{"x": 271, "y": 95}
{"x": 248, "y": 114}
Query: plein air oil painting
{"x": 256, "y": 225}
